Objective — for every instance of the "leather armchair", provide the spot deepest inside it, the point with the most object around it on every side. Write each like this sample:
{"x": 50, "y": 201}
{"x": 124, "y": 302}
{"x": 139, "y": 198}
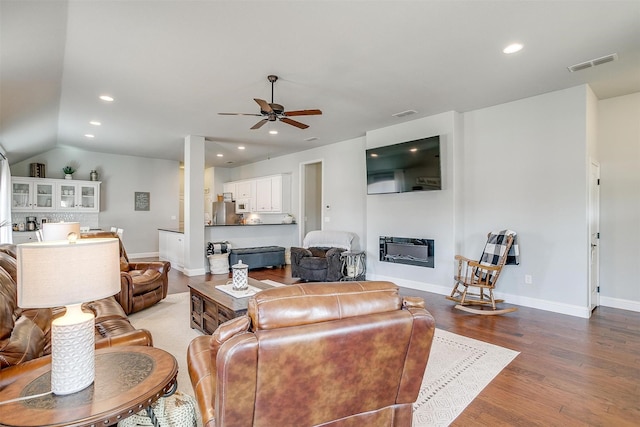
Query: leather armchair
{"x": 319, "y": 258}
{"x": 143, "y": 284}
{"x": 330, "y": 354}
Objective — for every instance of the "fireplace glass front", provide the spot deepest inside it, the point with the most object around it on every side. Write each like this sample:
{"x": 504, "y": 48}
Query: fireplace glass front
{"x": 407, "y": 250}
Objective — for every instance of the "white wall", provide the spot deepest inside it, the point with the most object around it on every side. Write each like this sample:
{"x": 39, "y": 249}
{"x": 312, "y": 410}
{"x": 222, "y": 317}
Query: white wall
{"x": 619, "y": 155}
{"x": 344, "y": 183}
{"x": 121, "y": 176}
{"x": 526, "y": 170}
{"x": 424, "y": 214}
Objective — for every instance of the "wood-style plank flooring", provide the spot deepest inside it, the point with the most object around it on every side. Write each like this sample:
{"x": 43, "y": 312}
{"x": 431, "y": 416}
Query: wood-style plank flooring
{"x": 570, "y": 371}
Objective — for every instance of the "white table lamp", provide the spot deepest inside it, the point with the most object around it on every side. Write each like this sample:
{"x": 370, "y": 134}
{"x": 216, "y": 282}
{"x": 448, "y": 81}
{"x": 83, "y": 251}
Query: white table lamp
{"x": 59, "y": 230}
{"x": 69, "y": 273}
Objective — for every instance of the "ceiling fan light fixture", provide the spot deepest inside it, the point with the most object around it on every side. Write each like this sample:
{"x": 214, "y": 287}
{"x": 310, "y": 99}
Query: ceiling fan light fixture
{"x": 273, "y": 132}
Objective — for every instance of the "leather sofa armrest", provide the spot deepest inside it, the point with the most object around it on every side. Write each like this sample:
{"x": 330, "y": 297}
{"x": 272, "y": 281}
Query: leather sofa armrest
{"x": 135, "y": 337}
{"x": 202, "y": 379}
{"x": 162, "y": 266}
{"x": 125, "y": 296}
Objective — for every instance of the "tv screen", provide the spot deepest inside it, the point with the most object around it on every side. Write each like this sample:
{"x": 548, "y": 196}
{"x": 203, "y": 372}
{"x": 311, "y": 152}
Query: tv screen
{"x": 404, "y": 167}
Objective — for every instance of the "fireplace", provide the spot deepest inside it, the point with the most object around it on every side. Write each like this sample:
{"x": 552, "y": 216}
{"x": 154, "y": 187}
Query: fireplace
{"x": 407, "y": 250}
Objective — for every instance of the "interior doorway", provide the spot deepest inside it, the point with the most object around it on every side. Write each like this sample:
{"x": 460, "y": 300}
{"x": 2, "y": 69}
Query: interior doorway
{"x": 310, "y": 197}
{"x": 594, "y": 235}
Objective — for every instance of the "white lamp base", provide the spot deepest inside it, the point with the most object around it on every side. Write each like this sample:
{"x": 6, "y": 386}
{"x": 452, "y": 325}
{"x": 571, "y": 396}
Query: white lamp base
{"x": 73, "y": 351}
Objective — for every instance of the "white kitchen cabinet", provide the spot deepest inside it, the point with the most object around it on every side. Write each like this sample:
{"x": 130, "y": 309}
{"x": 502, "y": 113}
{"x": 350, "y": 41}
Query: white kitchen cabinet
{"x": 47, "y": 195}
{"x": 273, "y": 194}
{"x": 24, "y": 237}
{"x": 268, "y": 194}
{"x": 78, "y": 196}
{"x": 33, "y": 194}
{"x": 171, "y": 248}
{"x": 230, "y": 187}
{"x": 244, "y": 189}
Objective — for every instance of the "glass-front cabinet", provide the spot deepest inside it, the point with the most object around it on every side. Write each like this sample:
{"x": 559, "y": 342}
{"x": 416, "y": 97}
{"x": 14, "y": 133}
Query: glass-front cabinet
{"x": 78, "y": 197}
{"x": 44, "y": 194}
{"x": 27, "y": 195}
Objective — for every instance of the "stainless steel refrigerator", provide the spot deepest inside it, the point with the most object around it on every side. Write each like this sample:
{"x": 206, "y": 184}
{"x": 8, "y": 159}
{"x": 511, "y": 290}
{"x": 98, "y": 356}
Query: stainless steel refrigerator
{"x": 224, "y": 213}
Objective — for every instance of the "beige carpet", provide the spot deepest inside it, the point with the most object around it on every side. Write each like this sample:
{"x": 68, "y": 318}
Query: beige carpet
{"x": 459, "y": 367}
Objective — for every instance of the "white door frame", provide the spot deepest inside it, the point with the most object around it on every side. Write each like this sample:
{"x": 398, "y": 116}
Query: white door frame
{"x": 594, "y": 235}
{"x": 302, "y": 195}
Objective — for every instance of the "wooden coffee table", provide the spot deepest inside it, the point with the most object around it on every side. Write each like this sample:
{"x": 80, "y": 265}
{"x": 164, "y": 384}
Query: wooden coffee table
{"x": 128, "y": 379}
{"x": 210, "y": 307}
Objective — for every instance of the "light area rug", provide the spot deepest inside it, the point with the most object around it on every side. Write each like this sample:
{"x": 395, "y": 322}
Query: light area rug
{"x": 458, "y": 369}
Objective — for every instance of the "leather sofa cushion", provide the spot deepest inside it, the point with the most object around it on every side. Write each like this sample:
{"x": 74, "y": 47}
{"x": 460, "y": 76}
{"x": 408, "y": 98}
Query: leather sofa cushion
{"x": 26, "y": 342}
{"x": 273, "y": 308}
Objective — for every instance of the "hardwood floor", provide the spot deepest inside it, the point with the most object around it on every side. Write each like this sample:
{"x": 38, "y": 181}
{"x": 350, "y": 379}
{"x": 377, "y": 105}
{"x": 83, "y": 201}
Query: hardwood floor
{"x": 570, "y": 371}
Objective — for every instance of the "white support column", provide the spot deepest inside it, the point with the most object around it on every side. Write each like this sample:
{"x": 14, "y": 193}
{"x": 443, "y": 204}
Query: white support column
{"x": 194, "y": 249}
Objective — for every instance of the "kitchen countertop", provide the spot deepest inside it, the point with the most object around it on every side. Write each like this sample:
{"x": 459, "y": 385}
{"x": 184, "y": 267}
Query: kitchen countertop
{"x": 178, "y": 230}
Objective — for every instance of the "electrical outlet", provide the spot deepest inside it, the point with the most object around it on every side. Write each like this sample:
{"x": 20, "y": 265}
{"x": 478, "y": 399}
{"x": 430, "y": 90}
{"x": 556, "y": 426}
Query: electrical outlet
{"x": 528, "y": 279}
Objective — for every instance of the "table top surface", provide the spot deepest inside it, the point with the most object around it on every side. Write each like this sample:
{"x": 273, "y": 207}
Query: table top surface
{"x": 208, "y": 289}
{"x": 127, "y": 380}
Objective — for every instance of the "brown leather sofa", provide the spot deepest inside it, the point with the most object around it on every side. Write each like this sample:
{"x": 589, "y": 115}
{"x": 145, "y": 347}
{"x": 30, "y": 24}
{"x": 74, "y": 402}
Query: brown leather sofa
{"x": 330, "y": 354}
{"x": 143, "y": 284}
{"x": 25, "y": 334}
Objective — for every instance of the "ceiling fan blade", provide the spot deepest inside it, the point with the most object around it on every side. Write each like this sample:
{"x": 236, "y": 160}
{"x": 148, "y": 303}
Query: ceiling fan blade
{"x": 294, "y": 123}
{"x": 259, "y": 124}
{"x": 264, "y": 105}
{"x": 303, "y": 113}
{"x": 240, "y": 114}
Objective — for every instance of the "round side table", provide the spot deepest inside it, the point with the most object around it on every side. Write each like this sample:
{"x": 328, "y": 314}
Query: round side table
{"x": 128, "y": 379}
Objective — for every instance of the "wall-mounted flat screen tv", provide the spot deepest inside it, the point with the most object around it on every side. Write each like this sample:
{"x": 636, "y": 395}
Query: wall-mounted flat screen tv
{"x": 404, "y": 167}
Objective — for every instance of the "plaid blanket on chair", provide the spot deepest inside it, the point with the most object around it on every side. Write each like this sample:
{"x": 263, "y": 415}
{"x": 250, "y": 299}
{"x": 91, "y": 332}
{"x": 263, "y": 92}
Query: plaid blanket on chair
{"x": 496, "y": 245}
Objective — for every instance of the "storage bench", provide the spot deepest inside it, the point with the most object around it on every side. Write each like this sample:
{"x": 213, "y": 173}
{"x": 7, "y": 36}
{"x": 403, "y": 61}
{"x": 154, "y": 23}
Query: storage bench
{"x": 258, "y": 257}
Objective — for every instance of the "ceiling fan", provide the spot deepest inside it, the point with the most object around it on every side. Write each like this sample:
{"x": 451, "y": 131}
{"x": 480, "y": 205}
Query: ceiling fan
{"x": 272, "y": 111}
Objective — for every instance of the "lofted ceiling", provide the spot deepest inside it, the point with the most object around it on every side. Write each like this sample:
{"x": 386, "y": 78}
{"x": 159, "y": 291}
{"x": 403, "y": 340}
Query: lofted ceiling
{"x": 172, "y": 66}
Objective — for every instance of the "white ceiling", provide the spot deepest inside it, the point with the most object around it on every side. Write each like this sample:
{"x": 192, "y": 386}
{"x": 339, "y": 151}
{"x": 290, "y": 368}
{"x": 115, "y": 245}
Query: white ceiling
{"x": 173, "y": 65}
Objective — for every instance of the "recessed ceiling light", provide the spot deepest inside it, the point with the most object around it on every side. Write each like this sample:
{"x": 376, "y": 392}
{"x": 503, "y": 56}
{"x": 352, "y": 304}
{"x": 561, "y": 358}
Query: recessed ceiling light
{"x": 374, "y": 155}
{"x": 95, "y": 123}
{"x": 88, "y": 135}
{"x": 513, "y": 48}
{"x": 413, "y": 150}
{"x": 220, "y": 155}
{"x": 106, "y": 98}
{"x": 241, "y": 147}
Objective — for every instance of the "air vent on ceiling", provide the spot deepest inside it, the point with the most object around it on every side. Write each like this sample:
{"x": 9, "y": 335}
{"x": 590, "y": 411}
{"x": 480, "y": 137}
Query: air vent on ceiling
{"x": 593, "y": 62}
{"x": 404, "y": 113}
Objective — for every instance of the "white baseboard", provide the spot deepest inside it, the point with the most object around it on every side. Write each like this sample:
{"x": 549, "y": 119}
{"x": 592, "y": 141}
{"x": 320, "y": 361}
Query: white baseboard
{"x": 194, "y": 271}
{"x": 553, "y": 306}
{"x": 143, "y": 255}
{"x": 622, "y": 304}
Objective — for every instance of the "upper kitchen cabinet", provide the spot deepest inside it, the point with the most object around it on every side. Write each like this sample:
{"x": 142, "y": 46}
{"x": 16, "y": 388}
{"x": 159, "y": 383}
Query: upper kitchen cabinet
{"x": 273, "y": 194}
{"x": 32, "y": 195}
{"x": 78, "y": 196}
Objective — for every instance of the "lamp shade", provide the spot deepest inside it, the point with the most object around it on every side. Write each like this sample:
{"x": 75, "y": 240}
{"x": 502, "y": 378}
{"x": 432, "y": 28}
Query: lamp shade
{"x": 58, "y": 273}
{"x": 59, "y": 230}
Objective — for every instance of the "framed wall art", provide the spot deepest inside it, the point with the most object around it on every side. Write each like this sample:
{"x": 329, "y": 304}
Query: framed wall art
{"x": 142, "y": 201}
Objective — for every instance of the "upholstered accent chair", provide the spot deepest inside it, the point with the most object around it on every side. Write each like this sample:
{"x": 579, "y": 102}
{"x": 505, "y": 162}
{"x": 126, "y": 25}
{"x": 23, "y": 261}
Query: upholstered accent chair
{"x": 143, "y": 284}
{"x": 329, "y": 354}
{"x": 318, "y": 260}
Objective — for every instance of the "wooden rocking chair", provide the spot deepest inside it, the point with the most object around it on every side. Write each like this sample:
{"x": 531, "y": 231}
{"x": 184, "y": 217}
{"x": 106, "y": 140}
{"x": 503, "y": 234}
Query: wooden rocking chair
{"x": 499, "y": 250}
